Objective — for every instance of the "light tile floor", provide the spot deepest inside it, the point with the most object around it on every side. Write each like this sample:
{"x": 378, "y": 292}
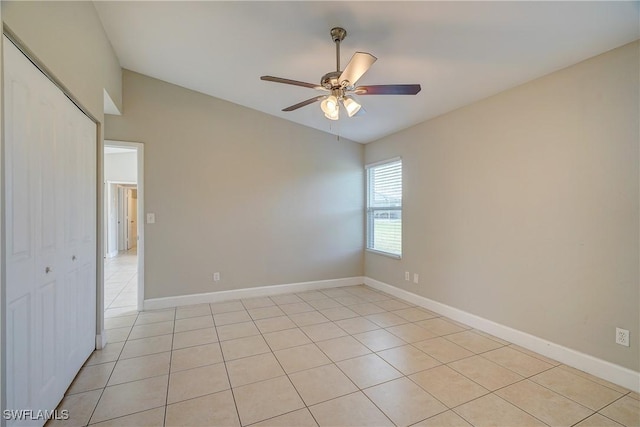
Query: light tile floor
{"x": 121, "y": 284}
{"x": 336, "y": 357}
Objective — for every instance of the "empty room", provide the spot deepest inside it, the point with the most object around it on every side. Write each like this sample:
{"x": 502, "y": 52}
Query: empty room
{"x": 354, "y": 213}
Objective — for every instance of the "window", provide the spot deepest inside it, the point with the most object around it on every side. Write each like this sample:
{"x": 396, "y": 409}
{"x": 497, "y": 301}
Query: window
{"x": 384, "y": 207}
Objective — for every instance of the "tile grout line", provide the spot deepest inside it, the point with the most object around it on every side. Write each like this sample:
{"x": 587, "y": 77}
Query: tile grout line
{"x": 119, "y": 292}
{"x": 332, "y": 363}
{"x": 290, "y": 381}
{"x": 626, "y": 392}
{"x": 226, "y": 368}
{"x": 609, "y": 404}
{"x": 166, "y": 398}
{"x": 316, "y": 310}
{"x": 288, "y": 374}
{"x": 358, "y": 388}
{"x": 569, "y": 397}
{"x": 107, "y": 382}
{"x": 444, "y": 364}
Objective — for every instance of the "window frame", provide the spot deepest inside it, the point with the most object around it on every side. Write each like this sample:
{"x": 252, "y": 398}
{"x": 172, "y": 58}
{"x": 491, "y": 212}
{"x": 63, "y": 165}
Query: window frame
{"x": 369, "y": 210}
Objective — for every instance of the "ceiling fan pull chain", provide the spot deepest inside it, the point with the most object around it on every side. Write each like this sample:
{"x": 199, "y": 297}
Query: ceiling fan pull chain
{"x": 337, "y": 128}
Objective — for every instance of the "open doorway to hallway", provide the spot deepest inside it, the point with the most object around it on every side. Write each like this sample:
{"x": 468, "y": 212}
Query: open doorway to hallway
{"x": 123, "y": 230}
{"x": 121, "y": 262}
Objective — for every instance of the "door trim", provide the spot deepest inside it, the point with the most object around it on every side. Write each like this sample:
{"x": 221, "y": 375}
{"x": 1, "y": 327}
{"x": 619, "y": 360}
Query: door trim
{"x": 139, "y": 147}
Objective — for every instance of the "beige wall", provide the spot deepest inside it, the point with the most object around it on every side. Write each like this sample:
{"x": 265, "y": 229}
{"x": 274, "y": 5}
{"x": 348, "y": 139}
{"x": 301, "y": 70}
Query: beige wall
{"x": 523, "y": 208}
{"x": 259, "y": 199}
{"x": 68, "y": 38}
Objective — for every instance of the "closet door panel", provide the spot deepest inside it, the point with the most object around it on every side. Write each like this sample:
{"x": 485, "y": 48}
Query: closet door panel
{"x": 86, "y": 314}
{"x": 80, "y": 240}
{"x": 87, "y": 135}
{"x": 73, "y": 244}
{"x": 19, "y": 325}
{"x": 20, "y": 131}
{"x": 72, "y": 177}
{"x": 48, "y": 299}
{"x": 70, "y": 319}
{"x": 50, "y": 251}
{"x": 18, "y": 182}
{"x": 48, "y": 182}
{"x": 45, "y": 369}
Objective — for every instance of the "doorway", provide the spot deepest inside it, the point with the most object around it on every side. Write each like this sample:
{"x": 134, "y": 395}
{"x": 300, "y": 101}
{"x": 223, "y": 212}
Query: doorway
{"x": 123, "y": 228}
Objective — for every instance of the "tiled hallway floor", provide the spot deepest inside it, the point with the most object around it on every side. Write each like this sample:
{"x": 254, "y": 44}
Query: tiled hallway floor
{"x": 336, "y": 357}
{"x": 121, "y": 284}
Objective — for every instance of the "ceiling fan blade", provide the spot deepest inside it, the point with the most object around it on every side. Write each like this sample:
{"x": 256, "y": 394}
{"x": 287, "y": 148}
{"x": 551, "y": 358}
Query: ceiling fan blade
{"x": 290, "y": 82}
{"x": 387, "y": 90}
{"x": 304, "y": 103}
{"x": 359, "y": 64}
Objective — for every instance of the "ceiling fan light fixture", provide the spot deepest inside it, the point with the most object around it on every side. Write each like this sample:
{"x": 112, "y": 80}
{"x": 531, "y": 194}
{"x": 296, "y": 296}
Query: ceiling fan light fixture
{"x": 335, "y": 115}
{"x": 351, "y": 105}
{"x": 339, "y": 85}
{"x": 329, "y": 105}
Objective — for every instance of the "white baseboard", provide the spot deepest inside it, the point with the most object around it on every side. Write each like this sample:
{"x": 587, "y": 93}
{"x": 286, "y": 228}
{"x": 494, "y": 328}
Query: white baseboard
{"x": 101, "y": 340}
{"x": 600, "y": 368}
{"x": 261, "y": 291}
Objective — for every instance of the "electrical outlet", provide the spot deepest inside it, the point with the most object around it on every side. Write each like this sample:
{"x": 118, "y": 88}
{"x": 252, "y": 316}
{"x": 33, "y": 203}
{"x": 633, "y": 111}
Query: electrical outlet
{"x": 406, "y": 276}
{"x": 622, "y": 337}
{"x": 216, "y": 277}
{"x": 416, "y": 278}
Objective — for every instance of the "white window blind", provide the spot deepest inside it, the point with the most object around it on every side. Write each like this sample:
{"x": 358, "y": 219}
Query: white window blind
{"x": 384, "y": 207}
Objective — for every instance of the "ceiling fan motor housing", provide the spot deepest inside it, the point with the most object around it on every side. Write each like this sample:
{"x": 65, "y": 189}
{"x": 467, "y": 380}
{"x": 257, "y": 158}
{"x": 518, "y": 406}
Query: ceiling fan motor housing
{"x": 331, "y": 80}
{"x": 338, "y": 34}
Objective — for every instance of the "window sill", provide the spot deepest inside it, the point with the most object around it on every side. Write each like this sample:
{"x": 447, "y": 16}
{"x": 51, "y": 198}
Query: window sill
{"x": 387, "y": 254}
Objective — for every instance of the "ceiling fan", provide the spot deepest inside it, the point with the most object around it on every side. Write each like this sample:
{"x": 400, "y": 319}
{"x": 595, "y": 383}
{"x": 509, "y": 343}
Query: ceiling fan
{"x": 340, "y": 85}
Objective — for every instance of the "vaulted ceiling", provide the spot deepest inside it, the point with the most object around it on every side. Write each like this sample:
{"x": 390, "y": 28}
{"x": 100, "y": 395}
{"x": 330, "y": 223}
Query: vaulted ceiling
{"x": 459, "y": 52}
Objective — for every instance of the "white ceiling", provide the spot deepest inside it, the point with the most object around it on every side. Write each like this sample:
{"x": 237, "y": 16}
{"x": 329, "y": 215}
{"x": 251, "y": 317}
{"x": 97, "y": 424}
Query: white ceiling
{"x": 459, "y": 52}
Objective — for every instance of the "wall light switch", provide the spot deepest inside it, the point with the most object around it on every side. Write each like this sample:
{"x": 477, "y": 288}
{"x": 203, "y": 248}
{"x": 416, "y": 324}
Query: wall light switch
{"x": 415, "y": 278}
{"x": 151, "y": 218}
{"x": 406, "y": 276}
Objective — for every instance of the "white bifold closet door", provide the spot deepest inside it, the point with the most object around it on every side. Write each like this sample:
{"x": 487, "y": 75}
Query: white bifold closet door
{"x": 50, "y": 223}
